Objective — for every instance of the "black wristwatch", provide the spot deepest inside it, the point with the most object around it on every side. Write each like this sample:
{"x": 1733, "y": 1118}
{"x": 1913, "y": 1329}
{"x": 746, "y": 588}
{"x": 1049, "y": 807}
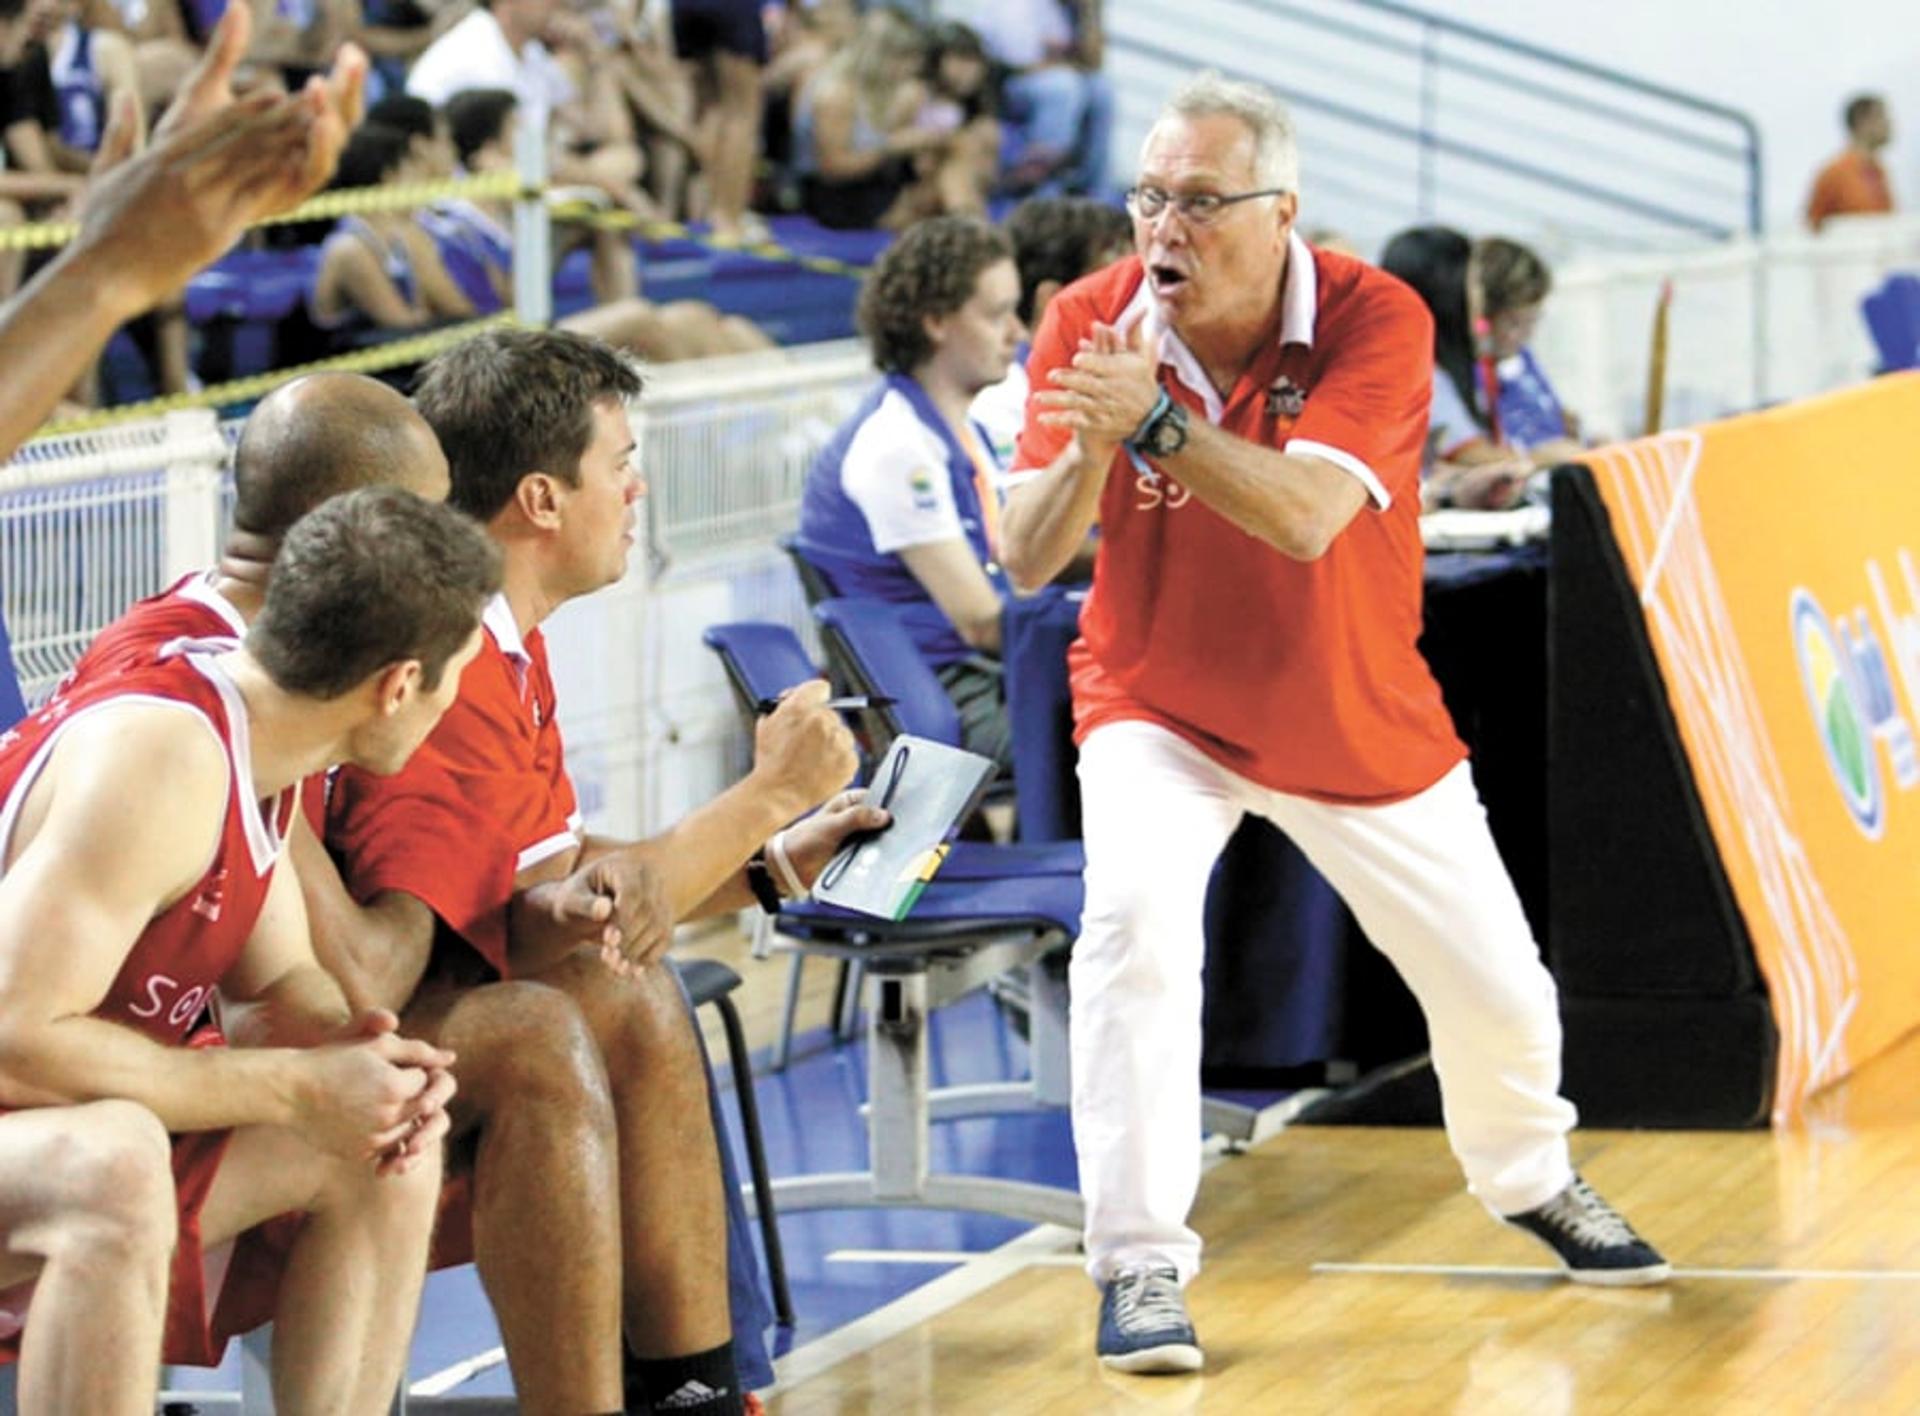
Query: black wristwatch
{"x": 1163, "y": 431}
{"x": 760, "y": 881}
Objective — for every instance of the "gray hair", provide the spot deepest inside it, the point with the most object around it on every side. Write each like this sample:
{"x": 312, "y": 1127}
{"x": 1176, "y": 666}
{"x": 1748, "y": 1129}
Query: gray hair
{"x": 1276, "y": 161}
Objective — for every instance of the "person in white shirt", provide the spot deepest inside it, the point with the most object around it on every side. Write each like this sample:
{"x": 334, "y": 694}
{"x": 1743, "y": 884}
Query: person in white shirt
{"x": 501, "y": 45}
{"x": 1056, "y": 98}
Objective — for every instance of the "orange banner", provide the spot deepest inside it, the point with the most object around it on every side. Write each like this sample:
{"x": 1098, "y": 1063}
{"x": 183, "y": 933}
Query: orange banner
{"x": 1777, "y": 556}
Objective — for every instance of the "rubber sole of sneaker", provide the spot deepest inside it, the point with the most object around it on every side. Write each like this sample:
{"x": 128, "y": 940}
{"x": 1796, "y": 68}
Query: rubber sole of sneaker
{"x": 1622, "y": 1278}
{"x": 1171, "y": 1357}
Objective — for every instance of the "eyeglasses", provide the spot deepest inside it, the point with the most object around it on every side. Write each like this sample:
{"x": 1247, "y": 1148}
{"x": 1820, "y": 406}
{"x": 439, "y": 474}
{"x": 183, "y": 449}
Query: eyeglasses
{"x": 1195, "y": 208}
{"x": 837, "y": 867}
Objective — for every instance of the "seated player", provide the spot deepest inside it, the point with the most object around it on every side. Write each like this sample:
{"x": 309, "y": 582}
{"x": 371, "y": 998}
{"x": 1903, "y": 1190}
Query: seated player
{"x": 533, "y": 1086}
{"x": 903, "y": 504}
{"x": 477, "y": 857}
{"x": 144, "y": 813}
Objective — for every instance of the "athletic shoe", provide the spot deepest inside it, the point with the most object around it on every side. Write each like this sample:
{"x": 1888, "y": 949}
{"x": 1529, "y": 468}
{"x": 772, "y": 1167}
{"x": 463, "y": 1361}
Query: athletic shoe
{"x": 1144, "y": 1325}
{"x": 1592, "y": 1240}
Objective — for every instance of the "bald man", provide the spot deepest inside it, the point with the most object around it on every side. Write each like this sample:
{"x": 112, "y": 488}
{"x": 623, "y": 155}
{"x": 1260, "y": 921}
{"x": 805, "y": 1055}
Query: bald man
{"x": 305, "y": 442}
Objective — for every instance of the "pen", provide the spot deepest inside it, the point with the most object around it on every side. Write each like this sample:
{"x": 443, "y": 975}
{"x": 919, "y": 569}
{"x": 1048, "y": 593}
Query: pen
{"x": 851, "y": 703}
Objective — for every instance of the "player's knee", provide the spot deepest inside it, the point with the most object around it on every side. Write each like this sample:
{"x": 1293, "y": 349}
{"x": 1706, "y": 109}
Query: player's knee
{"x": 115, "y": 1175}
{"x": 535, "y": 1050}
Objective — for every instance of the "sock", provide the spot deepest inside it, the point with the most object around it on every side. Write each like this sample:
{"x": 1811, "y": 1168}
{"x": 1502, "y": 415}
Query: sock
{"x": 704, "y": 1384}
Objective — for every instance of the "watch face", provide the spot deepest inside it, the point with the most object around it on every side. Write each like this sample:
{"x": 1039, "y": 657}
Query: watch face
{"x": 1170, "y": 433}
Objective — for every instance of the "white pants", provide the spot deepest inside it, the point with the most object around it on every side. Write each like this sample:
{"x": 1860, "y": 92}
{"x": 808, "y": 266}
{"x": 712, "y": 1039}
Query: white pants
{"x": 1424, "y": 880}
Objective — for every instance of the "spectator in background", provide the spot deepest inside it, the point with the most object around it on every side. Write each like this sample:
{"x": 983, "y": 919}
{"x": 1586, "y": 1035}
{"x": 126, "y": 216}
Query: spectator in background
{"x": 1467, "y": 462}
{"x": 1056, "y": 240}
{"x": 374, "y": 266}
{"x": 1513, "y": 284}
{"x": 474, "y": 247}
{"x": 725, "y": 44}
{"x": 802, "y": 39}
{"x": 1056, "y": 99}
{"x": 1855, "y": 183}
{"x": 903, "y": 503}
{"x": 164, "y": 47}
{"x": 867, "y": 155}
{"x": 501, "y": 45}
{"x": 958, "y": 96}
{"x": 298, "y": 38}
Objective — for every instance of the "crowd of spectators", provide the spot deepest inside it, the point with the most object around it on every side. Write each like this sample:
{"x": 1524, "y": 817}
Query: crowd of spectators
{"x": 864, "y": 116}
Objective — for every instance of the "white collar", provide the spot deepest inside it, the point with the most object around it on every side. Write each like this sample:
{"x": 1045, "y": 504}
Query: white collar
{"x": 1299, "y": 305}
{"x": 199, "y": 589}
{"x": 499, "y": 622}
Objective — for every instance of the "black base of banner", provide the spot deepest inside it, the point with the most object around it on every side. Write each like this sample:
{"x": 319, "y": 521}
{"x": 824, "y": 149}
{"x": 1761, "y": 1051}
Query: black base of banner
{"x": 1684, "y": 1063}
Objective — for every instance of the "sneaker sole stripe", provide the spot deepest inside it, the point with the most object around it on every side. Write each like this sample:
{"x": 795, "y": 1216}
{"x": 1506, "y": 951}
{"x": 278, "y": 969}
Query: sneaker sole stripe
{"x": 1172, "y": 1357}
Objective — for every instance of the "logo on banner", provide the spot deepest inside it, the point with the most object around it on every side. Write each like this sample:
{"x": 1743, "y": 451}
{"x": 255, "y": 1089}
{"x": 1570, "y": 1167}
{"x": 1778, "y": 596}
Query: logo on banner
{"x": 1844, "y": 673}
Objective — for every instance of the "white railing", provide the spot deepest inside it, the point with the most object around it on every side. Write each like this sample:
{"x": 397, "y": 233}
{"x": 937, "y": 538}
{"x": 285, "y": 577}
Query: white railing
{"x": 1752, "y": 322}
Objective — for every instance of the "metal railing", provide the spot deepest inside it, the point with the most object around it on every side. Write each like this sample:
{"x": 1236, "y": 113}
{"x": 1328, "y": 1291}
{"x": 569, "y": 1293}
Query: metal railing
{"x": 1410, "y": 116}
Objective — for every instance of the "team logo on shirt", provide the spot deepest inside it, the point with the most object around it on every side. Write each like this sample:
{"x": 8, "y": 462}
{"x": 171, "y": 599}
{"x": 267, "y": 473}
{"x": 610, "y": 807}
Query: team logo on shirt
{"x": 921, "y": 484}
{"x": 212, "y": 898}
{"x": 1285, "y": 399}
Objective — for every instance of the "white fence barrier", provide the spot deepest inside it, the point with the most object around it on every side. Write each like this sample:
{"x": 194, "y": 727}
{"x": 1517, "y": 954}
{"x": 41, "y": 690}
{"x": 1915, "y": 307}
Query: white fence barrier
{"x": 1752, "y": 322}
{"x": 91, "y": 523}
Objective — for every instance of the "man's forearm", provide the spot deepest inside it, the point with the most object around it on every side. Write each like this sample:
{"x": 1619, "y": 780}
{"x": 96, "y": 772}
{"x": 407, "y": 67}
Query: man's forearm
{"x": 74, "y": 1060}
{"x": 304, "y": 1008}
{"x": 702, "y": 856}
{"x": 49, "y": 333}
{"x": 1047, "y": 519}
{"x": 1297, "y": 505}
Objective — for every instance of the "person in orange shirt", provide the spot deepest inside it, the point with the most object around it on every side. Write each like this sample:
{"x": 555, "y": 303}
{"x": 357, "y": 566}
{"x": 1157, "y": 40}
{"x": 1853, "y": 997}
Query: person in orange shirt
{"x": 1855, "y": 182}
{"x": 1245, "y": 415}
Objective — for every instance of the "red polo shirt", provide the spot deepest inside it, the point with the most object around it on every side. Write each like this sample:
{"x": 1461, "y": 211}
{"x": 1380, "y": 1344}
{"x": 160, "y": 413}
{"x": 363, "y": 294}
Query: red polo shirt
{"x": 486, "y": 796}
{"x": 1302, "y": 676}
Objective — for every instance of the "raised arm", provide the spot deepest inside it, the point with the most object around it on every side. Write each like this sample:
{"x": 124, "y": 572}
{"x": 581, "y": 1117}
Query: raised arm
{"x": 216, "y": 165}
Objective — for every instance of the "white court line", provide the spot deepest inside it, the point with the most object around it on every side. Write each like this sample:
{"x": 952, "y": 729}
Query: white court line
{"x": 1044, "y": 1244}
{"x": 939, "y": 1256}
{"x": 460, "y": 1373}
{"x": 1756, "y": 1275}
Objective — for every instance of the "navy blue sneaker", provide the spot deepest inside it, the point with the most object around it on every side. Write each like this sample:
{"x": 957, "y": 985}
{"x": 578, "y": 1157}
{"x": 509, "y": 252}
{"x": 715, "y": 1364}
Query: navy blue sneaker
{"x": 1144, "y": 1325}
{"x": 1592, "y": 1240}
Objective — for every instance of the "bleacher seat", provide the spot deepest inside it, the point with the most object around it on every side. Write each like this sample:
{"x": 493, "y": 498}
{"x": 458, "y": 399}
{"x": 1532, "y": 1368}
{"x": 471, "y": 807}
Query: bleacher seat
{"x": 1893, "y": 318}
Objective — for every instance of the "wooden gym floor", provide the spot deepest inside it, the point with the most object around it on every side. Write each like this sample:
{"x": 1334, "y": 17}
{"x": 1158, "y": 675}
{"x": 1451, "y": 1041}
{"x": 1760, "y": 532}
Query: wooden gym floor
{"x": 1347, "y": 1271}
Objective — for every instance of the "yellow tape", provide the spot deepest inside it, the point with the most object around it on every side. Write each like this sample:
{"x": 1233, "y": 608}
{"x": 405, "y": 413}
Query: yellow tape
{"x": 585, "y": 214}
{"x": 325, "y": 206}
{"x": 363, "y": 361}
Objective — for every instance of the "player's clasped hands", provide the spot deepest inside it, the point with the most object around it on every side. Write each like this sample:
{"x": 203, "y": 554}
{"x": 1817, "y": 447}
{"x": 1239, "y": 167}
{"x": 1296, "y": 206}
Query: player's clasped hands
{"x": 802, "y": 751}
{"x": 1107, "y": 391}
{"x": 376, "y": 1096}
{"x": 619, "y": 904}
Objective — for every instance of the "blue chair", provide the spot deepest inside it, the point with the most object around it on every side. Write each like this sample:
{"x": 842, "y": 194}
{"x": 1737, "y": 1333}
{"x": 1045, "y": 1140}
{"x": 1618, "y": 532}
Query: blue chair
{"x": 963, "y": 933}
{"x": 1893, "y": 318}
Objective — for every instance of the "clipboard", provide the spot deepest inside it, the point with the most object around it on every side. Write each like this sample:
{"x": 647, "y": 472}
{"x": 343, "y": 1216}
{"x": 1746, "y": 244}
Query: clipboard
{"x": 931, "y": 789}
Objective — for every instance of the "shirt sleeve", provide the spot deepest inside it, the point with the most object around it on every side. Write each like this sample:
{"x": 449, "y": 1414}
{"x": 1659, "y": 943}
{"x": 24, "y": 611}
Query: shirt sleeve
{"x": 904, "y": 493}
{"x": 414, "y": 833}
{"x": 1368, "y": 411}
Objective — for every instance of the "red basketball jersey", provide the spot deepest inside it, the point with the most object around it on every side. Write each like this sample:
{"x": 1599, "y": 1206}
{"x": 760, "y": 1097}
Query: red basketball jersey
{"x": 167, "y": 978}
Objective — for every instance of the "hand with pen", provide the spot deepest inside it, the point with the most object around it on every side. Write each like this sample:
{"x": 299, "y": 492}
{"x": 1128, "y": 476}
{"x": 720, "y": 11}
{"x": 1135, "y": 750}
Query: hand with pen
{"x": 803, "y": 752}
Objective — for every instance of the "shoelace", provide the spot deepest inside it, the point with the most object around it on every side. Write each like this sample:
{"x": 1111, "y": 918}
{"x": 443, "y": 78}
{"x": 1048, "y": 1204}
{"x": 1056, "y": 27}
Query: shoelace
{"x": 1588, "y": 1218}
{"x": 1148, "y": 1300}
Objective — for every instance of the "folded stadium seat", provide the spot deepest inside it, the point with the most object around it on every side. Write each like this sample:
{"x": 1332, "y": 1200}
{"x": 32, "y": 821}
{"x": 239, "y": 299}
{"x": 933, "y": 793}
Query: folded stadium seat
{"x": 962, "y": 933}
{"x": 1893, "y": 318}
